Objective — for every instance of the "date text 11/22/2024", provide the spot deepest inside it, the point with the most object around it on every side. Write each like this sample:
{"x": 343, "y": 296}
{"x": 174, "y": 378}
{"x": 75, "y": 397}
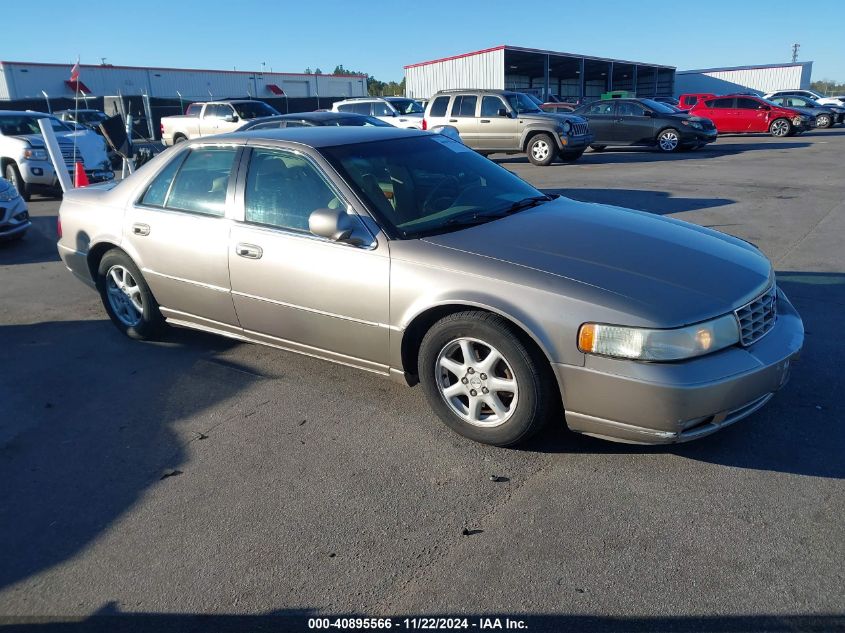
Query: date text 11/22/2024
{"x": 421, "y": 623}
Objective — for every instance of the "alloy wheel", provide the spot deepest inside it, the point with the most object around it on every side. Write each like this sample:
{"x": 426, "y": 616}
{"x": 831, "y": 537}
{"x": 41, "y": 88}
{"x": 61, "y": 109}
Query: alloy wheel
{"x": 780, "y": 128}
{"x": 668, "y": 141}
{"x": 540, "y": 150}
{"x": 477, "y": 382}
{"x": 124, "y": 296}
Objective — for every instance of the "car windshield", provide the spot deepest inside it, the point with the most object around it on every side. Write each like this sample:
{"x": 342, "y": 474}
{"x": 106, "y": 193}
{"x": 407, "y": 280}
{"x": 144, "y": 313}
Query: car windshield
{"x": 534, "y": 98}
{"x": 23, "y": 124}
{"x": 659, "y": 107}
{"x": 91, "y": 117}
{"x": 521, "y": 103}
{"x": 430, "y": 184}
{"x": 407, "y": 106}
{"x": 253, "y": 110}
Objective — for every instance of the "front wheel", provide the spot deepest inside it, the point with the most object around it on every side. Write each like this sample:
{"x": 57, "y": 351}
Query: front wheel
{"x": 13, "y": 175}
{"x": 780, "y": 128}
{"x": 668, "y": 140}
{"x": 824, "y": 121}
{"x": 541, "y": 150}
{"x": 127, "y": 297}
{"x": 482, "y": 381}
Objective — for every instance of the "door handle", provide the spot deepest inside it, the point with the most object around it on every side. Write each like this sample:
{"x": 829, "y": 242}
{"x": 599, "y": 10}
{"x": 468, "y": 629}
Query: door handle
{"x": 250, "y": 251}
{"x": 140, "y": 229}
{"x": 453, "y": 120}
{"x": 484, "y": 121}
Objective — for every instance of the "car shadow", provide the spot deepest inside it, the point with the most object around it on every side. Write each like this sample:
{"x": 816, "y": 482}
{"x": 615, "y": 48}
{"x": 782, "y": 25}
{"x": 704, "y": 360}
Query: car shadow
{"x": 658, "y": 202}
{"x": 109, "y": 619}
{"x": 615, "y": 155}
{"x": 90, "y": 421}
{"x": 37, "y": 246}
{"x": 799, "y": 431}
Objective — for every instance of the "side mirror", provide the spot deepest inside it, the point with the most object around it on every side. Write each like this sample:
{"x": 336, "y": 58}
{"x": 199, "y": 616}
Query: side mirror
{"x": 230, "y": 118}
{"x": 334, "y": 224}
{"x": 648, "y": 113}
{"x": 503, "y": 112}
{"x": 763, "y": 107}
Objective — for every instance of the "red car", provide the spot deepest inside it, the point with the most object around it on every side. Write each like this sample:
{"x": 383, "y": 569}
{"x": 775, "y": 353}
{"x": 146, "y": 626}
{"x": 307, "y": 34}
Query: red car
{"x": 685, "y": 102}
{"x": 740, "y": 114}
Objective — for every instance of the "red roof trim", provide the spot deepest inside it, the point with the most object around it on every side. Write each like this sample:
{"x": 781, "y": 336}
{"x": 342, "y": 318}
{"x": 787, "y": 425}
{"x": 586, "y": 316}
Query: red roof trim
{"x": 446, "y": 59}
{"x": 189, "y": 70}
{"x": 78, "y": 86}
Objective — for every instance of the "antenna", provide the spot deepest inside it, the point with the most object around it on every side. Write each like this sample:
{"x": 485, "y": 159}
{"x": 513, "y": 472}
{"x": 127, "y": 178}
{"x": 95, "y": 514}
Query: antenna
{"x": 795, "y": 48}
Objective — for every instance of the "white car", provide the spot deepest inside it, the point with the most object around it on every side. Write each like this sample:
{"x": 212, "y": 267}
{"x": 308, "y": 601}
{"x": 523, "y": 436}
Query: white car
{"x": 809, "y": 94}
{"x": 14, "y": 216}
{"x": 398, "y": 111}
{"x": 23, "y": 154}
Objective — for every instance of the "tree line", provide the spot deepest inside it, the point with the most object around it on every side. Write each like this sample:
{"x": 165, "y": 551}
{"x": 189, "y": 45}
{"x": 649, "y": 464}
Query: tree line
{"x": 828, "y": 87}
{"x": 375, "y": 88}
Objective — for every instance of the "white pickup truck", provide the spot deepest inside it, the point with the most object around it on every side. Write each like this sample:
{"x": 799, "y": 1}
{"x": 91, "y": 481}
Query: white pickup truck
{"x": 213, "y": 117}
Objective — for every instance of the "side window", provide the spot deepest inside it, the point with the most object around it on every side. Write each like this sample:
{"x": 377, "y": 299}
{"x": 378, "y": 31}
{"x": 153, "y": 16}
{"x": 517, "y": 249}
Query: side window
{"x": 361, "y": 108}
{"x": 157, "y": 191}
{"x": 601, "y": 107}
{"x": 293, "y": 124}
{"x": 346, "y": 107}
{"x": 380, "y": 109}
{"x": 747, "y": 104}
{"x": 779, "y": 100}
{"x": 438, "y": 108}
{"x": 722, "y": 104}
{"x": 194, "y": 109}
{"x": 490, "y": 106}
{"x": 464, "y": 106}
{"x": 627, "y": 108}
{"x": 272, "y": 125}
{"x": 202, "y": 181}
{"x": 282, "y": 189}
{"x": 691, "y": 100}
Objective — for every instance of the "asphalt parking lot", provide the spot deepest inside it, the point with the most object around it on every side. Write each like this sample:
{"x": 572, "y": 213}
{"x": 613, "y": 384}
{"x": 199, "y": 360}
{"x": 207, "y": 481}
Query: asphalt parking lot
{"x": 198, "y": 475}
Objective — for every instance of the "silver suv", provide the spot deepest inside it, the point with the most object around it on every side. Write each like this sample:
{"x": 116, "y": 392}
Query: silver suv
{"x": 501, "y": 121}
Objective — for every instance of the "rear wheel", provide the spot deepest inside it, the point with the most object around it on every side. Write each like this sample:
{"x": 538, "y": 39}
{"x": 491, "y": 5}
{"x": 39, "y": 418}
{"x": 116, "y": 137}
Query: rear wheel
{"x": 571, "y": 157}
{"x": 179, "y": 139}
{"x": 13, "y": 175}
{"x": 482, "y": 381}
{"x": 127, "y": 297}
{"x": 824, "y": 121}
{"x": 780, "y": 127}
{"x": 541, "y": 150}
{"x": 669, "y": 140}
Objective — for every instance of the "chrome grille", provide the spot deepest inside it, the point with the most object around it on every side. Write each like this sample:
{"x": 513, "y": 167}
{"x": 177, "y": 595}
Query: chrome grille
{"x": 758, "y": 317}
{"x": 67, "y": 153}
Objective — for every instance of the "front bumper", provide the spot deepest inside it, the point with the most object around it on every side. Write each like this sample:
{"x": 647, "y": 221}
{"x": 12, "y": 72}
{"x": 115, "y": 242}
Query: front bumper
{"x": 14, "y": 219}
{"x": 574, "y": 143}
{"x": 42, "y": 174}
{"x": 664, "y": 403}
{"x": 691, "y": 136}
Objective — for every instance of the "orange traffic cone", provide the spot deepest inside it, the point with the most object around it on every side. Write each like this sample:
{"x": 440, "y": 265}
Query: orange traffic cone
{"x": 79, "y": 177}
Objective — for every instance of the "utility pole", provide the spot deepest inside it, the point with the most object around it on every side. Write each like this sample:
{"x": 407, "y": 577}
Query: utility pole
{"x": 795, "y": 49}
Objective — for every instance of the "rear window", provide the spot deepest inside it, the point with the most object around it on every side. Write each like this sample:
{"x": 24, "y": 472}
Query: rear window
{"x": 438, "y": 107}
{"x": 194, "y": 109}
{"x": 253, "y": 110}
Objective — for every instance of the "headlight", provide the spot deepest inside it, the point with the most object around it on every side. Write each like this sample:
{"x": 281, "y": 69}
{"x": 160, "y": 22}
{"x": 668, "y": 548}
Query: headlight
{"x": 798, "y": 120}
{"x": 35, "y": 154}
{"x": 9, "y": 193}
{"x": 659, "y": 345}
{"x": 693, "y": 124}
{"x": 567, "y": 127}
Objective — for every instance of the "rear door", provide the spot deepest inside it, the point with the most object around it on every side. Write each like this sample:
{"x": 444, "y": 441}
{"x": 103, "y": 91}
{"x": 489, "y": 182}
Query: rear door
{"x": 178, "y": 233}
{"x": 496, "y": 130}
{"x": 298, "y": 291}
{"x": 721, "y": 112}
{"x": 632, "y": 125}
{"x": 464, "y": 116}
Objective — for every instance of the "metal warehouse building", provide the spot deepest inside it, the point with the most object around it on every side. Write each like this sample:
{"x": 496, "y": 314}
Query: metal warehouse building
{"x": 25, "y": 80}
{"x": 540, "y": 71}
{"x": 766, "y": 78}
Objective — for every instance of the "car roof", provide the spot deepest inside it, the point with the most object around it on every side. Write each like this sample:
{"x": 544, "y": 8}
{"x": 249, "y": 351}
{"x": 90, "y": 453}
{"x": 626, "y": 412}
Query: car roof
{"x": 328, "y": 136}
{"x": 25, "y": 113}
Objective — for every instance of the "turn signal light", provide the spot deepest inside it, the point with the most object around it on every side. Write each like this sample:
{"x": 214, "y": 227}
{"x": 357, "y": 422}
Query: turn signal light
{"x": 425, "y": 124}
{"x": 59, "y": 227}
{"x": 587, "y": 337}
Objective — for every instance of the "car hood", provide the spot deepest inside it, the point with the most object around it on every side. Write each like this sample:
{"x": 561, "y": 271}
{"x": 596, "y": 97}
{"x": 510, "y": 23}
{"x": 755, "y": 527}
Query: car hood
{"x": 89, "y": 144}
{"x": 664, "y": 271}
{"x": 555, "y": 116}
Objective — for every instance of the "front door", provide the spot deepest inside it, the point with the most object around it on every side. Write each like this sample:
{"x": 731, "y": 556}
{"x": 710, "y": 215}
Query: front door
{"x": 295, "y": 290}
{"x": 633, "y": 125}
{"x": 177, "y": 233}
{"x": 751, "y": 115}
{"x": 496, "y": 128}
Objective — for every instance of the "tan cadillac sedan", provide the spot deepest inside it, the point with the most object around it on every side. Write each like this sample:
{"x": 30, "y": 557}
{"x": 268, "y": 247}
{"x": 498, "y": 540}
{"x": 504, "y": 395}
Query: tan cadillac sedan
{"x": 406, "y": 254}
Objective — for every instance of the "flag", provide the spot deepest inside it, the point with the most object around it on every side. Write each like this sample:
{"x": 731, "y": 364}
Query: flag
{"x": 74, "y": 72}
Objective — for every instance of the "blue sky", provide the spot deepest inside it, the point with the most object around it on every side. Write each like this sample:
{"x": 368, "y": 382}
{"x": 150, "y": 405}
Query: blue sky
{"x": 381, "y": 37}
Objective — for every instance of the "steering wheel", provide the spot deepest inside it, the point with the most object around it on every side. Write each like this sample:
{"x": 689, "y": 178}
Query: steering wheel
{"x": 439, "y": 196}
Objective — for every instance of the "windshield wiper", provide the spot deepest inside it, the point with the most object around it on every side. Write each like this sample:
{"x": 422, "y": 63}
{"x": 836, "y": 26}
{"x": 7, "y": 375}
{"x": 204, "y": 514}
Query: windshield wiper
{"x": 525, "y": 203}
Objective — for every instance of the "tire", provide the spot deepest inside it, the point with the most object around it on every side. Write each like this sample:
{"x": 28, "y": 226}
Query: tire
{"x": 669, "y": 140}
{"x": 127, "y": 297}
{"x": 541, "y": 150}
{"x": 598, "y": 148}
{"x": 519, "y": 385}
{"x": 780, "y": 128}
{"x": 179, "y": 139}
{"x": 13, "y": 175}
{"x": 570, "y": 157}
{"x": 824, "y": 121}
